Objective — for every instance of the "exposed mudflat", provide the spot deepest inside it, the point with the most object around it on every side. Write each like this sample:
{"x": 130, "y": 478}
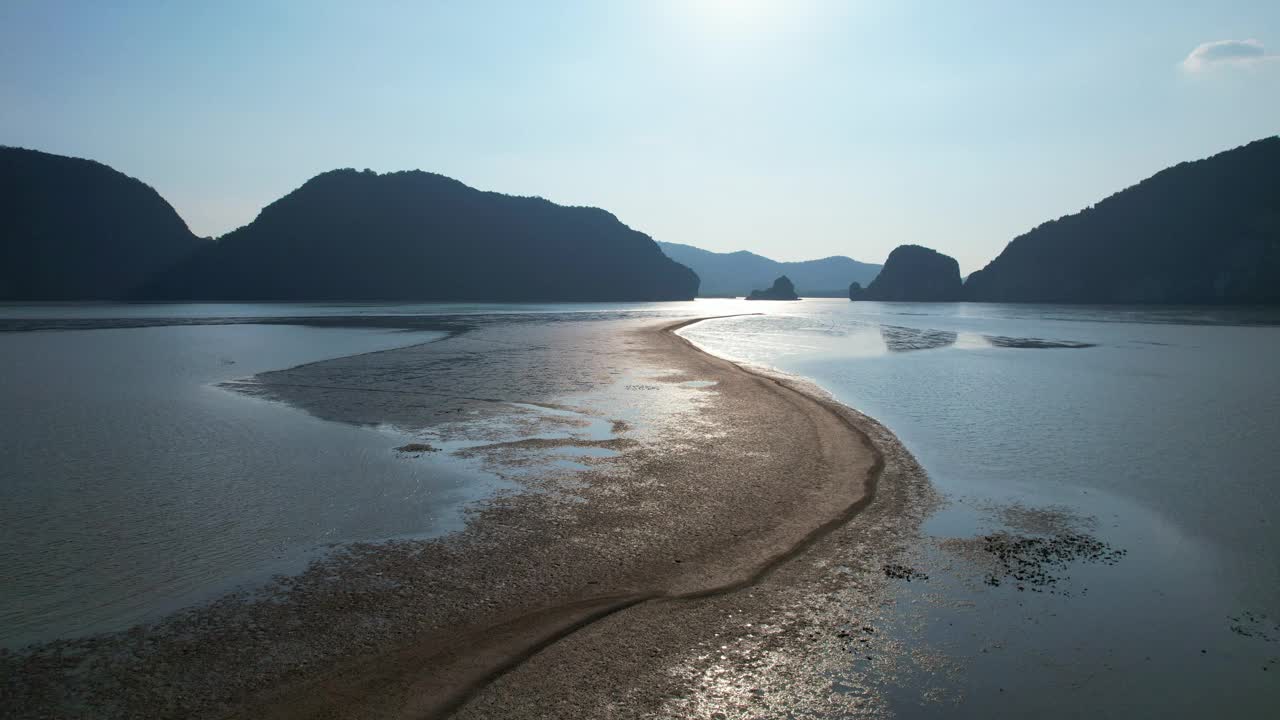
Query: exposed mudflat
{"x": 668, "y": 503}
{"x": 656, "y": 548}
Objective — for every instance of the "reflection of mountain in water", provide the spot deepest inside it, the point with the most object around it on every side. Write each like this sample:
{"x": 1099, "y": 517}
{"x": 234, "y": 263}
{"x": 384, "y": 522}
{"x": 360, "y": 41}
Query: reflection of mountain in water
{"x": 904, "y": 339}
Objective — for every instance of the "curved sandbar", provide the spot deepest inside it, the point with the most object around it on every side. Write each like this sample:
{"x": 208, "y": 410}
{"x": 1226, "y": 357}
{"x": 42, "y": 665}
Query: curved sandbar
{"x": 834, "y": 470}
{"x": 639, "y": 551}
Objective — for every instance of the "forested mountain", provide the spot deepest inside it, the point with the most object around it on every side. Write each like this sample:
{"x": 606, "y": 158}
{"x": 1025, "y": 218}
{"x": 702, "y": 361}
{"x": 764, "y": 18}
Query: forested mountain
{"x": 1203, "y": 232}
{"x": 349, "y": 235}
{"x": 73, "y": 229}
{"x": 914, "y": 274}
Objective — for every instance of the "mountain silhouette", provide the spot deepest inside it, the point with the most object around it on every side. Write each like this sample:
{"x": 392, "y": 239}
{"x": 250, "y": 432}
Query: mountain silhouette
{"x": 782, "y": 289}
{"x": 418, "y": 236}
{"x": 913, "y": 274}
{"x": 736, "y": 274}
{"x": 78, "y": 230}
{"x": 1203, "y": 232}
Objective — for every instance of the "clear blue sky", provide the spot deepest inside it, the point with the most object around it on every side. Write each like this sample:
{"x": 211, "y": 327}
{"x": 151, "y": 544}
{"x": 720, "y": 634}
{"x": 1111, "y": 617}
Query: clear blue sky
{"x": 793, "y": 128}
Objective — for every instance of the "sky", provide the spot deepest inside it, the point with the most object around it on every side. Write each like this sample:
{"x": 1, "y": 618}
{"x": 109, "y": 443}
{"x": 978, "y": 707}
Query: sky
{"x": 792, "y": 128}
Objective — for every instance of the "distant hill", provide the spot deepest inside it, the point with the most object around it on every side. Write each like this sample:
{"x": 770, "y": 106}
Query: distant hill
{"x": 736, "y": 274}
{"x": 1203, "y": 232}
{"x": 348, "y": 235}
{"x": 914, "y": 274}
{"x": 73, "y": 229}
{"x": 782, "y": 289}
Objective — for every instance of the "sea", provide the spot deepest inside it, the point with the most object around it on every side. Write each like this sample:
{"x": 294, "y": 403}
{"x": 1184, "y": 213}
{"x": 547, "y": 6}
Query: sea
{"x": 1135, "y": 452}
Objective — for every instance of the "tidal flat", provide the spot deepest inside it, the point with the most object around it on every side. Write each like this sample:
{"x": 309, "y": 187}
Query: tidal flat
{"x": 650, "y": 530}
{"x": 641, "y": 471}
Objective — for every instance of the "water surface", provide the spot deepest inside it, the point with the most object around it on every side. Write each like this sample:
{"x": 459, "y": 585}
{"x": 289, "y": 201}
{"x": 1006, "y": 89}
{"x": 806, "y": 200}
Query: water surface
{"x": 1152, "y": 431}
{"x": 134, "y": 484}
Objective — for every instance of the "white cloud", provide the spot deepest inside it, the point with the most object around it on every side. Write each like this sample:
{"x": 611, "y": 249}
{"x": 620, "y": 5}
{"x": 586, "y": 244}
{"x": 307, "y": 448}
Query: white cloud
{"x": 1226, "y": 52}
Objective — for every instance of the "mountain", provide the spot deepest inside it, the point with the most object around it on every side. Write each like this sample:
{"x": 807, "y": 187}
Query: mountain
{"x": 914, "y": 274}
{"x": 1203, "y": 232}
{"x": 75, "y": 229}
{"x": 735, "y": 274}
{"x": 418, "y": 236}
{"x": 782, "y": 289}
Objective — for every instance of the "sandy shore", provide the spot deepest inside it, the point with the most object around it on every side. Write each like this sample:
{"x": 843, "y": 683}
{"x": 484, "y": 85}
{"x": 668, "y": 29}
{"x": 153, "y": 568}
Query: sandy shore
{"x": 730, "y": 495}
{"x": 824, "y": 467}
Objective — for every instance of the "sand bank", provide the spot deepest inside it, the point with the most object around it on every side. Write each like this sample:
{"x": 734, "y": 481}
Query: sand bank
{"x": 811, "y": 470}
{"x": 550, "y": 603}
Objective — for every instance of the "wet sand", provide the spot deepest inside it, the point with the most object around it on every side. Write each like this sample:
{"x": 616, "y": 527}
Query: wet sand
{"x": 603, "y": 590}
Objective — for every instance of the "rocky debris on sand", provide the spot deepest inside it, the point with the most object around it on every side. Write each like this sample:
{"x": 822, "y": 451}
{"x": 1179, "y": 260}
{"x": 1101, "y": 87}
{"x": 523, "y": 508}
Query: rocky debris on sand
{"x": 1037, "y": 563}
{"x": 898, "y": 571}
{"x": 1256, "y": 625}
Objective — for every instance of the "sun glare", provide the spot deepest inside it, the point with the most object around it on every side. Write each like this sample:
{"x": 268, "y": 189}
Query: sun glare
{"x": 736, "y": 13}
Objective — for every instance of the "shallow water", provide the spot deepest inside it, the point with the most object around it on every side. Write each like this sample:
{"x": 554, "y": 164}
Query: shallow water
{"x": 1154, "y": 433}
{"x": 134, "y": 485}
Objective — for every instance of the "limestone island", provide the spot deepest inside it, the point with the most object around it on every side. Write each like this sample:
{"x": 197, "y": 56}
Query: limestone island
{"x": 782, "y": 290}
{"x": 913, "y": 274}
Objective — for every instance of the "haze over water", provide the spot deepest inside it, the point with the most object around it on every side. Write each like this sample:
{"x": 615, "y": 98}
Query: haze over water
{"x": 134, "y": 484}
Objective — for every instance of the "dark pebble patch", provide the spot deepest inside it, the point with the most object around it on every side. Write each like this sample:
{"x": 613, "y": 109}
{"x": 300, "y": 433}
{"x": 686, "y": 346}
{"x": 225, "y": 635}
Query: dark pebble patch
{"x": 903, "y": 572}
{"x": 1037, "y": 564}
{"x": 1255, "y": 625}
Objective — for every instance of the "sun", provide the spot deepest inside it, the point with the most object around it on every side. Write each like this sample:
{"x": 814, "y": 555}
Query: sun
{"x": 736, "y": 12}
